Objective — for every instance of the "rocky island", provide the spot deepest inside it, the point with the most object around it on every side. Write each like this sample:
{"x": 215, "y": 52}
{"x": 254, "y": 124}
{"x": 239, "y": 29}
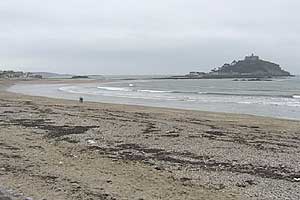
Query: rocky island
{"x": 251, "y": 67}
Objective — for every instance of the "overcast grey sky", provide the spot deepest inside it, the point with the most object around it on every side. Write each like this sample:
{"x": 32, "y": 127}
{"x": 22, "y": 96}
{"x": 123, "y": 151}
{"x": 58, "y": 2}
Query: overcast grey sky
{"x": 146, "y": 36}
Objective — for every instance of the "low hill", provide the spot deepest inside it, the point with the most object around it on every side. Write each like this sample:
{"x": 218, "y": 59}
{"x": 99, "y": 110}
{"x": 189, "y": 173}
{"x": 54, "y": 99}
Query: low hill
{"x": 251, "y": 66}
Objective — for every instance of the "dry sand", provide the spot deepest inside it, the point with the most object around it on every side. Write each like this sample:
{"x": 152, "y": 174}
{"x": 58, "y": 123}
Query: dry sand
{"x": 61, "y": 149}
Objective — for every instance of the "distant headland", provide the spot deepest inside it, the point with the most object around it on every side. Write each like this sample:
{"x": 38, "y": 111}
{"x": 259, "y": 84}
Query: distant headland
{"x": 251, "y": 67}
{"x": 9, "y": 74}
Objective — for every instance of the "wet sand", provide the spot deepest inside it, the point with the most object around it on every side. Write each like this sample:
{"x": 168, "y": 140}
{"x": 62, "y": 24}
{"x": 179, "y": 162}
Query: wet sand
{"x": 61, "y": 149}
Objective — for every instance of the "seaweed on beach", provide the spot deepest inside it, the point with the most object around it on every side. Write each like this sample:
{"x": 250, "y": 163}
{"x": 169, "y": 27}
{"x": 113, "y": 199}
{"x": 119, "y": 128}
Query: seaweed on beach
{"x": 53, "y": 131}
{"x": 136, "y": 152}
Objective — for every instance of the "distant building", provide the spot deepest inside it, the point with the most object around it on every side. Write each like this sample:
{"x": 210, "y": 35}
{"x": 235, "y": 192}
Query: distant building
{"x": 11, "y": 74}
{"x": 196, "y": 74}
{"x": 32, "y": 75}
{"x": 252, "y": 58}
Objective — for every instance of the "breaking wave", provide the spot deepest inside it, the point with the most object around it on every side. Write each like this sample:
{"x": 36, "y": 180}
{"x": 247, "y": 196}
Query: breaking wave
{"x": 131, "y": 89}
{"x": 274, "y": 99}
{"x": 296, "y": 96}
{"x": 114, "y": 89}
{"x": 204, "y": 97}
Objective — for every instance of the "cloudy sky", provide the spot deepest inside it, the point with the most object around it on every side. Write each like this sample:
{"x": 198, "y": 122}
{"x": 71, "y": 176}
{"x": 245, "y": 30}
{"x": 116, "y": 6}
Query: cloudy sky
{"x": 146, "y": 36}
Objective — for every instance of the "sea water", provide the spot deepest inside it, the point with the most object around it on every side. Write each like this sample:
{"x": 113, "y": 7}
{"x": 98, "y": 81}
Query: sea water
{"x": 278, "y": 98}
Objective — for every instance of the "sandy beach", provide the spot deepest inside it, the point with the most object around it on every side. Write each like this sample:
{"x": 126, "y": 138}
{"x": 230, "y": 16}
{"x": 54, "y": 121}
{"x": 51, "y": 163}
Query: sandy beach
{"x": 61, "y": 149}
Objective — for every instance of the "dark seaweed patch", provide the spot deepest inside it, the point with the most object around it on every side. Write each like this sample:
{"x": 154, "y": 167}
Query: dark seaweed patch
{"x": 53, "y": 131}
{"x": 138, "y": 153}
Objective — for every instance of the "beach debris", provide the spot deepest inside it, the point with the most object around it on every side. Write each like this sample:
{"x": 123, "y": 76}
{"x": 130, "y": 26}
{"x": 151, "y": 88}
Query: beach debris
{"x": 220, "y": 186}
{"x": 297, "y": 179}
{"x": 108, "y": 181}
{"x": 60, "y": 162}
{"x": 172, "y": 131}
{"x": 76, "y": 185}
{"x": 246, "y": 183}
{"x": 250, "y": 182}
{"x": 184, "y": 179}
{"x": 91, "y": 142}
{"x": 159, "y": 168}
{"x": 241, "y": 185}
{"x": 27, "y": 102}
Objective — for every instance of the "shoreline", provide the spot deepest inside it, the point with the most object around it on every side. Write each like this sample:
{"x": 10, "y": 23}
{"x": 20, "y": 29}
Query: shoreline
{"x": 61, "y": 149}
{"x": 76, "y": 81}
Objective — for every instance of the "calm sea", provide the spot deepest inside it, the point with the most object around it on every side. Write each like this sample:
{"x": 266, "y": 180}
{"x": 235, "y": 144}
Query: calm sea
{"x": 279, "y": 98}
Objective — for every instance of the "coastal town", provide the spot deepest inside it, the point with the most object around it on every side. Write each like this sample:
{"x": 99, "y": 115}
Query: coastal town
{"x": 9, "y": 74}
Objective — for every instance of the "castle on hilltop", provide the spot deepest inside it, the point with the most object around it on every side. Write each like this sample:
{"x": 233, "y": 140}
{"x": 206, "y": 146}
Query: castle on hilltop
{"x": 252, "y": 58}
{"x": 250, "y": 67}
